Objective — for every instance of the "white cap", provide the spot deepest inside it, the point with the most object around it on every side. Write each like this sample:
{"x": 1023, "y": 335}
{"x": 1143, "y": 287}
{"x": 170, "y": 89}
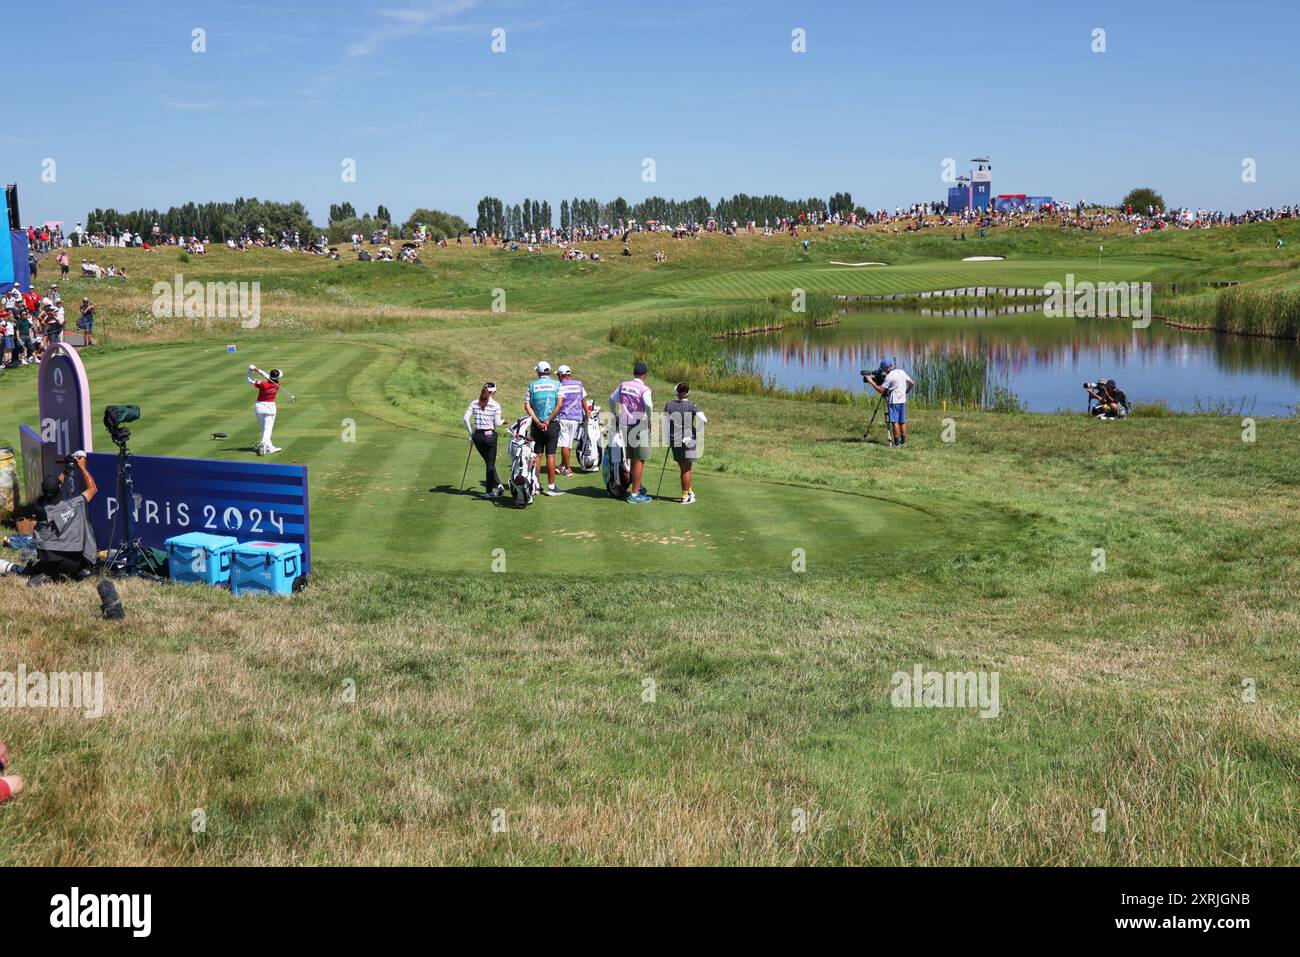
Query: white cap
{"x": 543, "y": 367}
{"x": 564, "y": 370}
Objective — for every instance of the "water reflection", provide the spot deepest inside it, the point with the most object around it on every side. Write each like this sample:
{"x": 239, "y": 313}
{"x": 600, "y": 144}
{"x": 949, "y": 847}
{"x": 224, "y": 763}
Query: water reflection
{"x": 1044, "y": 360}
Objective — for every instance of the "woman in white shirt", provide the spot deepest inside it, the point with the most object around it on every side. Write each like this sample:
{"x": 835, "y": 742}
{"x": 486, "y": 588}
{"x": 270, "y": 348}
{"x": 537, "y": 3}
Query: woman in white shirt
{"x": 481, "y": 421}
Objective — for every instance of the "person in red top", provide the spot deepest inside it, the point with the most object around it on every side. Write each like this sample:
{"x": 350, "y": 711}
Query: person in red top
{"x": 10, "y": 784}
{"x": 268, "y": 387}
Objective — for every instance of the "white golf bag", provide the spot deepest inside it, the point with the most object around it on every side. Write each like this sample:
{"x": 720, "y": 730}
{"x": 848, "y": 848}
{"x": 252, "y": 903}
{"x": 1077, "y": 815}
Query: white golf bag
{"x": 589, "y": 448}
{"x": 523, "y": 476}
{"x": 614, "y": 466}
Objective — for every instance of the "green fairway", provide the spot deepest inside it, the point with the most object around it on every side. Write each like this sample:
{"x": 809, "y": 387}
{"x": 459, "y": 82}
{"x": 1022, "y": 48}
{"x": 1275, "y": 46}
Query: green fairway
{"x": 915, "y": 277}
{"x": 387, "y": 492}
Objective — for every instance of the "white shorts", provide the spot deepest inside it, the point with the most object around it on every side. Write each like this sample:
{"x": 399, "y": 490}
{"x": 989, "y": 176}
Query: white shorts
{"x": 569, "y": 432}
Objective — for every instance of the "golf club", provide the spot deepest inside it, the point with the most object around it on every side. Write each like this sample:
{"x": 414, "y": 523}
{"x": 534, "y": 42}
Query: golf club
{"x": 662, "y": 468}
{"x": 468, "y": 454}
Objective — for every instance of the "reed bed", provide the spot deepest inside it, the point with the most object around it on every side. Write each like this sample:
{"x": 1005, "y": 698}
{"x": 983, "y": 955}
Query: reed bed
{"x": 1259, "y": 311}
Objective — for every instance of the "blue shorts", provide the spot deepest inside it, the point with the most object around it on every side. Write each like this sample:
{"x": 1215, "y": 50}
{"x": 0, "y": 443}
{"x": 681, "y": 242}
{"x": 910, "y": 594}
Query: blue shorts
{"x": 898, "y": 412}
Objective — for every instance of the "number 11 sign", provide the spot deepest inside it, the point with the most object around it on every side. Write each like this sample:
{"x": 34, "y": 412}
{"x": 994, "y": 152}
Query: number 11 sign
{"x": 64, "y": 404}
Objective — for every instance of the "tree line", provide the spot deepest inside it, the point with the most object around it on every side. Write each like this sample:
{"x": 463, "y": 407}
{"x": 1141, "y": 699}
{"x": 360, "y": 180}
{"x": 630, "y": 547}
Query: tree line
{"x": 494, "y": 216}
{"x": 222, "y": 221}
{"x": 218, "y": 221}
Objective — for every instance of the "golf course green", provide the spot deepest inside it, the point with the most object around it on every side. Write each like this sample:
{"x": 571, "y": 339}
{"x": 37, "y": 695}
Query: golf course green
{"x": 669, "y": 684}
{"x": 386, "y": 487}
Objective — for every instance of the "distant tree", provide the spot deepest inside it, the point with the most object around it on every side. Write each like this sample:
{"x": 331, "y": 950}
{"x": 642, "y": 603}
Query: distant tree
{"x": 491, "y": 216}
{"x": 1141, "y": 198}
{"x": 383, "y": 215}
{"x": 342, "y": 230}
{"x": 441, "y": 225}
{"x": 341, "y": 211}
{"x": 565, "y": 221}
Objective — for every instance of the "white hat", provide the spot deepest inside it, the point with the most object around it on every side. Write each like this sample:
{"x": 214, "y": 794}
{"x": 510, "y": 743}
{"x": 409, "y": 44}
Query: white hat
{"x": 543, "y": 367}
{"x": 564, "y": 370}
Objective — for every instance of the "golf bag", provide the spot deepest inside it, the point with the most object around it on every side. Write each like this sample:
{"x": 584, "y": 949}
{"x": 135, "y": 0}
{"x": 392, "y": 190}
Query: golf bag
{"x": 523, "y": 477}
{"x": 614, "y": 466}
{"x": 588, "y": 448}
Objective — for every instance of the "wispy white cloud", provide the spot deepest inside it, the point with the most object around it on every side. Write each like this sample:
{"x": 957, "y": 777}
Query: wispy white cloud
{"x": 427, "y": 17}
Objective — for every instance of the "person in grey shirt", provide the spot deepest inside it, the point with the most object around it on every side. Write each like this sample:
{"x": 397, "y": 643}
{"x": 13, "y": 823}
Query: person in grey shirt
{"x": 64, "y": 540}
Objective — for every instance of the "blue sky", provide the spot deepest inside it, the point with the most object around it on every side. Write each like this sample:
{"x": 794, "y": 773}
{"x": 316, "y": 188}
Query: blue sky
{"x": 585, "y": 90}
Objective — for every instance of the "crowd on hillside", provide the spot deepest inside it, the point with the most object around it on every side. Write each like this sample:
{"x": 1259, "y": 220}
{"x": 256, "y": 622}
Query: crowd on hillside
{"x": 910, "y": 218}
{"x": 30, "y": 323}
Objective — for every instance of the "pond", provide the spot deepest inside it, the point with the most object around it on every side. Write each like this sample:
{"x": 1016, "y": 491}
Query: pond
{"x": 1044, "y": 361}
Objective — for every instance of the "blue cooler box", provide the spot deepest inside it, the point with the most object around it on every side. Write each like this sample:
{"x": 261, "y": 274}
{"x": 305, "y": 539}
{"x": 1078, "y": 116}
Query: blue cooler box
{"x": 214, "y": 569}
{"x": 267, "y": 568}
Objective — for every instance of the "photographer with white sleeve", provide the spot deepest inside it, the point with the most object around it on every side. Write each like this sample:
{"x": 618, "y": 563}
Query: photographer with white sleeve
{"x": 895, "y": 385}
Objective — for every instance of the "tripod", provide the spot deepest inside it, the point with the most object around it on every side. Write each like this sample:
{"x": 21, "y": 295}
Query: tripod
{"x": 130, "y": 557}
{"x": 880, "y": 402}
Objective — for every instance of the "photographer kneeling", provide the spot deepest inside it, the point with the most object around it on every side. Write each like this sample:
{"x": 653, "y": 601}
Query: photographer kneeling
{"x": 1111, "y": 401}
{"x": 65, "y": 542}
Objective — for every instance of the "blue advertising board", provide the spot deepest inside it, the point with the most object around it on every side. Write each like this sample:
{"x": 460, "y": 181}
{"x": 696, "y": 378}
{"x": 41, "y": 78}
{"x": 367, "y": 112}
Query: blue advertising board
{"x": 6, "y": 248}
{"x": 22, "y": 269}
{"x": 252, "y": 501}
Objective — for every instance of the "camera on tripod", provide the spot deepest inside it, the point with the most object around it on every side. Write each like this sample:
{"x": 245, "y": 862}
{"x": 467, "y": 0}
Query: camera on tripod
{"x": 130, "y": 557}
{"x": 876, "y": 375}
{"x": 115, "y": 419}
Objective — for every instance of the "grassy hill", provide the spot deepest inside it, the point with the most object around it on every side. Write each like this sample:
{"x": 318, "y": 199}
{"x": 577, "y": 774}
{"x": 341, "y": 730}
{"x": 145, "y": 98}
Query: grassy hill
{"x": 660, "y": 685}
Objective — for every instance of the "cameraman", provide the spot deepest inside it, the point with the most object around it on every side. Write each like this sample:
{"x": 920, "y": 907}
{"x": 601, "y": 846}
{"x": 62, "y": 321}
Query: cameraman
{"x": 1112, "y": 403}
{"x": 896, "y": 384}
{"x": 65, "y": 542}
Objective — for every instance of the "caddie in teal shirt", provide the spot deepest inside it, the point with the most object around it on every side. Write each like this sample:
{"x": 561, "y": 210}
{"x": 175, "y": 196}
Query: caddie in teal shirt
{"x": 542, "y": 403}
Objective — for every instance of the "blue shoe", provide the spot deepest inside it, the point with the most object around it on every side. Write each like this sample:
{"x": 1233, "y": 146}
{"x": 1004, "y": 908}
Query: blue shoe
{"x": 638, "y": 499}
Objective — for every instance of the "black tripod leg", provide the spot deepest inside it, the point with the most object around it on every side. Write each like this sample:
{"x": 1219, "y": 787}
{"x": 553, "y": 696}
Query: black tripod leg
{"x": 874, "y": 412}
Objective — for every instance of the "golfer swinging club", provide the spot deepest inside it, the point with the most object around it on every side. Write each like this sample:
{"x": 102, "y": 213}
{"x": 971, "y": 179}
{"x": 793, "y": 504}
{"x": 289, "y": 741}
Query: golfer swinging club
{"x": 268, "y": 386}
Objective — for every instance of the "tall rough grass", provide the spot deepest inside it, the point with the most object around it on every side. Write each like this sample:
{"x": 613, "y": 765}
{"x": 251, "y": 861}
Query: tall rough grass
{"x": 1255, "y": 311}
{"x": 687, "y": 348}
{"x": 961, "y": 380}
{"x": 690, "y": 349}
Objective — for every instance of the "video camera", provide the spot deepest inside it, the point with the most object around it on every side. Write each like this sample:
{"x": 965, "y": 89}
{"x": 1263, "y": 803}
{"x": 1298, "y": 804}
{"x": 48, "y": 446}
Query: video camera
{"x": 115, "y": 419}
{"x": 876, "y": 375}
